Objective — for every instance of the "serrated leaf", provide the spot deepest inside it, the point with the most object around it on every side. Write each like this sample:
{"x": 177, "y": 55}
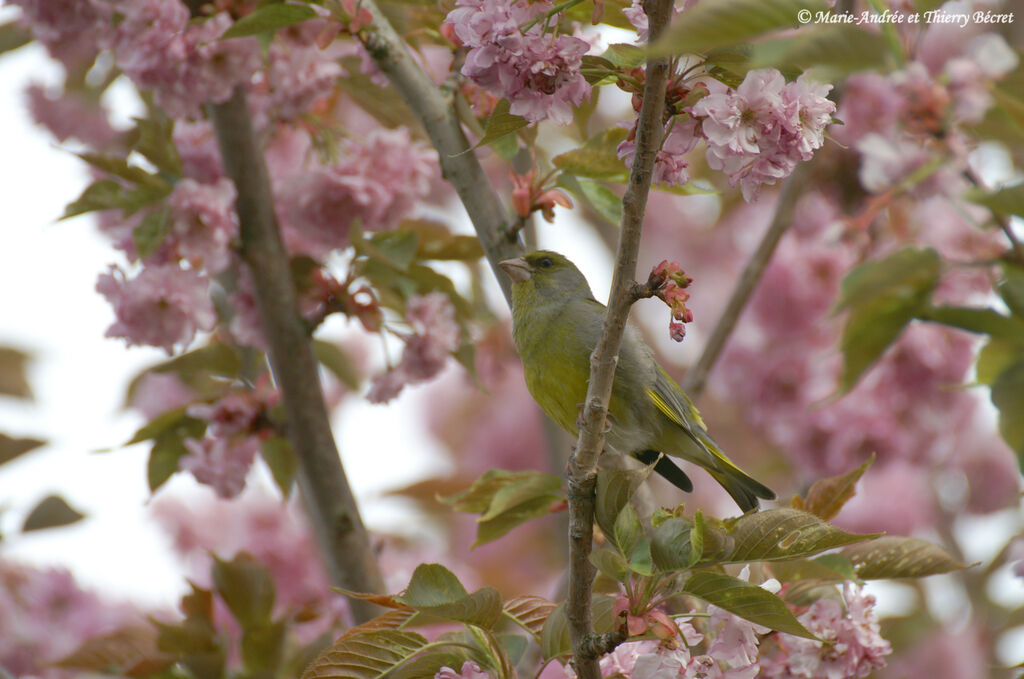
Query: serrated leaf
{"x": 52, "y": 511}
{"x": 671, "y": 547}
{"x": 625, "y": 55}
{"x": 435, "y": 591}
{"x": 529, "y": 612}
{"x": 130, "y": 652}
{"x": 745, "y": 600}
{"x": 1008, "y": 396}
{"x": 13, "y": 373}
{"x": 365, "y": 655}
{"x": 798, "y": 570}
{"x": 477, "y": 498}
{"x": 776, "y": 534}
{"x": 102, "y": 194}
{"x": 611, "y": 563}
{"x": 500, "y": 124}
{"x": 281, "y": 460}
{"x": 246, "y": 587}
{"x": 334, "y": 358}
{"x": 978, "y": 320}
{"x": 494, "y": 528}
{"x": 720, "y": 23}
{"x": 11, "y": 448}
{"x": 1006, "y": 201}
{"x": 120, "y": 167}
{"x": 269, "y": 18}
{"x": 899, "y": 557}
{"x": 506, "y": 500}
{"x": 883, "y": 296}
{"x": 627, "y": 531}
{"x": 595, "y": 195}
{"x": 597, "y": 158}
{"x": 167, "y": 421}
{"x": 827, "y": 496}
{"x": 615, "y": 487}
{"x": 152, "y": 231}
{"x": 531, "y": 487}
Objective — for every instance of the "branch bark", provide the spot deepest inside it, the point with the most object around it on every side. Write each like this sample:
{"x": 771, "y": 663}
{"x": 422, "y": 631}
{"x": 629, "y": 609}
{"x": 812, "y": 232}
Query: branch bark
{"x": 330, "y": 503}
{"x": 696, "y": 377}
{"x": 583, "y": 465}
{"x": 434, "y": 107}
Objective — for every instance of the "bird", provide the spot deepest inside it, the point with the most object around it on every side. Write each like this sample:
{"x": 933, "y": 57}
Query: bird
{"x": 556, "y": 322}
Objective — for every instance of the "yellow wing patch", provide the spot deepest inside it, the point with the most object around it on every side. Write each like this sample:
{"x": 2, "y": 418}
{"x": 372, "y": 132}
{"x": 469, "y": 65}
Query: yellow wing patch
{"x": 666, "y": 409}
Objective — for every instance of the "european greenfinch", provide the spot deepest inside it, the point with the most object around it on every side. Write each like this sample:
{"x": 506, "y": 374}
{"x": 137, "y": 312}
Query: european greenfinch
{"x": 556, "y": 322}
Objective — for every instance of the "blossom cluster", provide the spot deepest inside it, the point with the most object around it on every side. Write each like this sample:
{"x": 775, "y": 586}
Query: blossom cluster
{"x": 671, "y": 284}
{"x": 536, "y": 69}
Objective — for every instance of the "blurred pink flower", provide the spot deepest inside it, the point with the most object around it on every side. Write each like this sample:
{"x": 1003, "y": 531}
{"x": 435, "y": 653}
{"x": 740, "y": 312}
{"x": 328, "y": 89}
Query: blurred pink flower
{"x": 896, "y": 498}
{"x": 221, "y": 463}
{"x": 71, "y": 115}
{"x": 197, "y": 147}
{"x": 70, "y": 29}
{"x": 436, "y": 334}
{"x": 470, "y": 670}
{"x": 299, "y": 76}
{"x": 163, "y": 306}
{"x": 45, "y": 615}
{"x": 157, "y": 393}
{"x": 670, "y": 166}
{"x": 203, "y": 223}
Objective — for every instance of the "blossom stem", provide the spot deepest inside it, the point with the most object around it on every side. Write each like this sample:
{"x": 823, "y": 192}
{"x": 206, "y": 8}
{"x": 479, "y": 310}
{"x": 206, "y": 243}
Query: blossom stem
{"x": 696, "y": 377}
{"x": 561, "y": 7}
{"x": 330, "y": 503}
{"x": 583, "y": 464}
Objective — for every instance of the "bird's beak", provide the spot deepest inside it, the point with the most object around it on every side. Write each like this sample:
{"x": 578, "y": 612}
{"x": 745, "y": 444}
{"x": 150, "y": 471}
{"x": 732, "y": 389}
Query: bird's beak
{"x": 517, "y": 269}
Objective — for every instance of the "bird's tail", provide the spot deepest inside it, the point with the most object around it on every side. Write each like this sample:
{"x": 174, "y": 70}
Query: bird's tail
{"x": 744, "y": 489}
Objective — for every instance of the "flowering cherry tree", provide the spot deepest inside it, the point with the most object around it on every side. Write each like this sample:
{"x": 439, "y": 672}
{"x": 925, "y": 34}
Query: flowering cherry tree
{"x": 844, "y": 197}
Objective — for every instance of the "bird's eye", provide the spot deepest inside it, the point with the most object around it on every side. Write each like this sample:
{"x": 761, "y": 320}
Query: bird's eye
{"x": 544, "y": 262}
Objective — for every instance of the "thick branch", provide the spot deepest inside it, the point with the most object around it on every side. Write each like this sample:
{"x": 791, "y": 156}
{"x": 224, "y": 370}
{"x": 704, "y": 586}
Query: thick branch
{"x": 693, "y": 382}
{"x": 583, "y": 466}
{"x": 329, "y": 501}
{"x": 435, "y": 109}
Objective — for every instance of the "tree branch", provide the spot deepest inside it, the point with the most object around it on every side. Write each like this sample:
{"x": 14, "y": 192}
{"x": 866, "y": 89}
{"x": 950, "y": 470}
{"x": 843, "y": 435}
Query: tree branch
{"x": 583, "y": 465}
{"x": 330, "y": 503}
{"x": 696, "y": 377}
{"x": 435, "y": 109}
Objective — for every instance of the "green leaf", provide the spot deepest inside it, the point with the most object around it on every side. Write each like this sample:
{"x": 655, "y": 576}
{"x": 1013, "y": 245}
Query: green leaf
{"x": 996, "y": 357}
{"x": 836, "y": 569}
{"x": 514, "y": 646}
{"x": 263, "y": 647}
{"x": 627, "y": 531}
{"x": 529, "y": 612}
{"x": 155, "y": 141}
{"x": 437, "y": 242}
{"x": 334, "y": 358}
{"x": 435, "y": 591}
{"x": 52, "y": 511}
{"x": 1006, "y": 201}
{"x": 883, "y": 296}
{"x": 172, "y": 420}
{"x": 200, "y": 369}
{"x": 167, "y": 451}
{"x": 13, "y": 35}
{"x": 719, "y": 23}
{"x": 103, "y": 194}
{"x": 899, "y": 557}
{"x": 506, "y": 500}
{"x": 776, "y": 534}
{"x": 978, "y": 320}
{"x": 611, "y": 563}
{"x": 625, "y": 55}
{"x": 745, "y": 600}
{"x": 246, "y": 587}
{"x": 120, "y": 167}
{"x": 269, "y": 18}
{"x": 835, "y": 50}
{"x": 496, "y": 527}
{"x": 1008, "y": 396}
{"x": 500, "y": 124}
{"x": 366, "y": 655}
{"x": 554, "y": 637}
{"x": 1011, "y": 288}
{"x": 14, "y": 373}
{"x": 827, "y": 496}
{"x": 11, "y": 448}
{"x": 597, "y": 158}
{"x": 396, "y": 248}
{"x": 151, "y": 232}
{"x": 595, "y": 195}
{"x": 281, "y": 460}
{"x": 672, "y": 547}
{"x": 615, "y": 487}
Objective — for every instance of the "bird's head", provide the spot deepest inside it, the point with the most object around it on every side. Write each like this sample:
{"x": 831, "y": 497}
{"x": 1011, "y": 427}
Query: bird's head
{"x": 547, "y": 275}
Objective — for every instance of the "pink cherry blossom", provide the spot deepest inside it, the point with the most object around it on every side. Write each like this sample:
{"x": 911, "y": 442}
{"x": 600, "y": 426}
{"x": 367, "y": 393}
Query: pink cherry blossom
{"x": 221, "y": 463}
{"x": 157, "y": 393}
{"x": 203, "y": 223}
{"x": 71, "y": 115}
{"x": 670, "y": 165}
{"x": 70, "y": 29}
{"x": 539, "y": 74}
{"x": 470, "y": 670}
{"x": 299, "y": 76}
{"x": 163, "y": 306}
{"x": 197, "y": 148}
{"x": 436, "y": 334}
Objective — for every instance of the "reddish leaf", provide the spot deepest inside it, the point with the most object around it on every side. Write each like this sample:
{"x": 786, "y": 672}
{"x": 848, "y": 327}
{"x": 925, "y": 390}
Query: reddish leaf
{"x": 130, "y": 651}
{"x": 827, "y": 496}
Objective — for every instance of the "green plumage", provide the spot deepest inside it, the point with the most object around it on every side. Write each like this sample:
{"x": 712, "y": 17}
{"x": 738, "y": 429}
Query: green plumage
{"x": 556, "y": 323}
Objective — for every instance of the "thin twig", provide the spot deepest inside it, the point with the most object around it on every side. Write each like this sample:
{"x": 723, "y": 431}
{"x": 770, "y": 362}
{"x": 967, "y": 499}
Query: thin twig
{"x": 583, "y": 465}
{"x": 1002, "y": 220}
{"x": 696, "y": 377}
{"x": 435, "y": 108}
{"x": 330, "y": 503}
